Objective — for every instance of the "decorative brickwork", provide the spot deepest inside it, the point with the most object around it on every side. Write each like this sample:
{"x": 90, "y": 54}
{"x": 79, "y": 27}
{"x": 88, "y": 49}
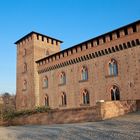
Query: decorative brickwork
{"x": 29, "y": 49}
{"x": 111, "y": 60}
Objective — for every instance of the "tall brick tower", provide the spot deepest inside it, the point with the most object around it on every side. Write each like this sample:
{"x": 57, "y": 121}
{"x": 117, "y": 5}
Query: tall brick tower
{"x": 31, "y": 48}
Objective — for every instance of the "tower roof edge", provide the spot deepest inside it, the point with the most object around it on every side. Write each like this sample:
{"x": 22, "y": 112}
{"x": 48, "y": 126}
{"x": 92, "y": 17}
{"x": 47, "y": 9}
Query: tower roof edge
{"x": 33, "y": 32}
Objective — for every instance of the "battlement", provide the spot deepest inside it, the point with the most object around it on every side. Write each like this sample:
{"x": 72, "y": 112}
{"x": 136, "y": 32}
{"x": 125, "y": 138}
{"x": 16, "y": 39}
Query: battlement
{"x": 37, "y": 36}
{"x": 94, "y": 43}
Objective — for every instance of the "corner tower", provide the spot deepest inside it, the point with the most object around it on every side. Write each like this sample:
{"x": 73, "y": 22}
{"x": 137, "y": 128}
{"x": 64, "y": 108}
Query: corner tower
{"x": 31, "y": 48}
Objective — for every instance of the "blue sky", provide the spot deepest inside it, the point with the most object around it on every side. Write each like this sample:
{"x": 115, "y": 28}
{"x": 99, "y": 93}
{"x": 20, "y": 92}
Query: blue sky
{"x": 72, "y": 21}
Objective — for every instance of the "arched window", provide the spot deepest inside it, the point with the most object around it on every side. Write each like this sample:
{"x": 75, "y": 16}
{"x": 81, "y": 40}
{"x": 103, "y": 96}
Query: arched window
{"x": 63, "y": 99}
{"x": 46, "y": 100}
{"x": 24, "y": 85}
{"x": 86, "y": 99}
{"x": 45, "y": 82}
{"x": 113, "y": 67}
{"x": 25, "y": 67}
{"x": 84, "y": 73}
{"x": 62, "y": 78}
{"x": 115, "y": 93}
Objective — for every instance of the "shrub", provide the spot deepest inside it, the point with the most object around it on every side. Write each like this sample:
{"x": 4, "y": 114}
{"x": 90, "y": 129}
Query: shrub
{"x": 10, "y": 114}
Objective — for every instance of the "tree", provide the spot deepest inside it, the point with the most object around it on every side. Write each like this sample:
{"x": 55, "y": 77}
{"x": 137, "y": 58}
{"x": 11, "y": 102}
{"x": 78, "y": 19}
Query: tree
{"x": 7, "y": 103}
{"x": 6, "y": 94}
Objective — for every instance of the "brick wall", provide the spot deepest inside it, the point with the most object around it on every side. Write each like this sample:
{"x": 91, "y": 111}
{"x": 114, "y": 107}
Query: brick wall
{"x": 102, "y": 111}
{"x": 59, "y": 116}
{"x": 99, "y": 82}
{"x": 122, "y": 45}
{"x": 30, "y": 49}
{"x": 113, "y": 109}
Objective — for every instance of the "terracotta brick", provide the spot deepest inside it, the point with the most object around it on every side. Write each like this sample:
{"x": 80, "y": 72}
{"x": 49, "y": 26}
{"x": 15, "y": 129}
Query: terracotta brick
{"x": 125, "y": 50}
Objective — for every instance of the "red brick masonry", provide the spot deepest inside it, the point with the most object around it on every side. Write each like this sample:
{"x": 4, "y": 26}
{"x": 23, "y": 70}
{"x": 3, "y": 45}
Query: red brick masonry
{"x": 39, "y": 57}
{"x": 102, "y": 111}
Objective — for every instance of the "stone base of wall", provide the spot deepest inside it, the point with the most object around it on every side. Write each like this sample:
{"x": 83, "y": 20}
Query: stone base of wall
{"x": 102, "y": 111}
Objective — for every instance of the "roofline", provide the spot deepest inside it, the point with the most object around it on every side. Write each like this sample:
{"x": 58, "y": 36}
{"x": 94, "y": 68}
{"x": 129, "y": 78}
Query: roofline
{"x": 33, "y": 32}
{"x": 107, "y": 33}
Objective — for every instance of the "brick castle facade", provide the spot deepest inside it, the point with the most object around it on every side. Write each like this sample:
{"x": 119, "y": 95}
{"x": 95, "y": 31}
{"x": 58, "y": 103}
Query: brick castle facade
{"x": 106, "y": 67}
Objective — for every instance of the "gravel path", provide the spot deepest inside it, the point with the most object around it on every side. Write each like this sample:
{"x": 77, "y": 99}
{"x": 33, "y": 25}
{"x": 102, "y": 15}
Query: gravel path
{"x": 122, "y": 128}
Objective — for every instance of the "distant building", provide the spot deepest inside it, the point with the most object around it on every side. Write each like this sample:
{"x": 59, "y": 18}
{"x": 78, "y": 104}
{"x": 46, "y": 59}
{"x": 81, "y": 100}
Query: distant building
{"x": 106, "y": 67}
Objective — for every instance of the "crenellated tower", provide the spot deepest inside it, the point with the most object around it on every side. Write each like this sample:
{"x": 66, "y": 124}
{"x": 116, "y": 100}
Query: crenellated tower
{"x": 31, "y": 48}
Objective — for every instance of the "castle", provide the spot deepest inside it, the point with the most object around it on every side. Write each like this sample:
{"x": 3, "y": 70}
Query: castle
{"x": 106, "y": 67}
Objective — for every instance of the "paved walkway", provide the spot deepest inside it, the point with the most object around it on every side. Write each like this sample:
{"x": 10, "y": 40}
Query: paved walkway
{"x": 122, "y": 128}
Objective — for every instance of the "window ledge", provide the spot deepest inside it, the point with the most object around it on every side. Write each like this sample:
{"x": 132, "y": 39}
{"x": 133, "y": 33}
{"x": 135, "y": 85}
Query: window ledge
{"x": 109, "y": 76}
{"x": 62, "y": 84}
{"x": 85, "y": 104}
{"x": 80, "y": 81}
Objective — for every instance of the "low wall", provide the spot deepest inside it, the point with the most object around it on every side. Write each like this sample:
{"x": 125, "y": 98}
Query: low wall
{"x": 102, "y": 111}
{"x": 59, "y": 116}
{"x": 116, "y": 108}
{"x": 4, "y": 123}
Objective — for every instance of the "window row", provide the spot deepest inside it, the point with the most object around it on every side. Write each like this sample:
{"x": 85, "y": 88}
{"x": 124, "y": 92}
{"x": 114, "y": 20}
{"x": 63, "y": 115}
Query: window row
{"x": 114, "y": 94}
{"x": 63, "y": 98}
{"x": 112, "y": 71}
